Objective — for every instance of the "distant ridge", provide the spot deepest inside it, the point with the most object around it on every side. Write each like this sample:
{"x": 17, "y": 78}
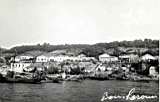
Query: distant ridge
{"x": 92, "y": 50}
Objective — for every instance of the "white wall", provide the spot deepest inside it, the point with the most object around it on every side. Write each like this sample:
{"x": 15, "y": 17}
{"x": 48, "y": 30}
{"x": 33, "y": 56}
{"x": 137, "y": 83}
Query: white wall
{"x": 42, "y": 59}
{"x": 18, "y": 67}
{"x": 108, "y": 59}
{"x": 18, "y": 58}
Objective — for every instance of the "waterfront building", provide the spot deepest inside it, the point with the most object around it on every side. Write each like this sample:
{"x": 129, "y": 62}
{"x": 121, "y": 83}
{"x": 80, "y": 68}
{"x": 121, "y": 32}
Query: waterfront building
{"x": 53, "y": 57}
{"x": 61, "y": 58}
{"x": 42, "y": 58}
{"x": 23, "y": 57}
{"x": 37, "y": 66}
{"x": 19, "y": 66}
{"x": 148, "y": 57}
{"x": 81, "y": 55}
{"x": 107, "y": 58}
{"x": 156, "y": 57}
{"x": 152, "y": 71}
{"x": 129, "y": 58}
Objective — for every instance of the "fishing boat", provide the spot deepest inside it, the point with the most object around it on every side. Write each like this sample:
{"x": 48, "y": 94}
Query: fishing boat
{"x": 21, "y": 80}
{"x": 77, "y": 78}
{"x": 11, "y": 77}
{"x": 53, "y": 79}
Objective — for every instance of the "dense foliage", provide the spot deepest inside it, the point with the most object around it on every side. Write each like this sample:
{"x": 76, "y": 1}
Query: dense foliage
{"x": 90, "y": 50}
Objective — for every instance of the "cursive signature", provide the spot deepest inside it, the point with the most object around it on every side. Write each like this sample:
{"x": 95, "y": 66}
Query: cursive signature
{"x": 129, "y": 96}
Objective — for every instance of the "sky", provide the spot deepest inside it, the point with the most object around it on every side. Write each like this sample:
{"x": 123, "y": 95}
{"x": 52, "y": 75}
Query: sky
{"x": 24, "y": 22}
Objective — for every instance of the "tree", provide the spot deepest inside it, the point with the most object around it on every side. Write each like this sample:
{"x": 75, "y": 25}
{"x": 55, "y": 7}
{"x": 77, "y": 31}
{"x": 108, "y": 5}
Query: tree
{"x": 52, "y": 70}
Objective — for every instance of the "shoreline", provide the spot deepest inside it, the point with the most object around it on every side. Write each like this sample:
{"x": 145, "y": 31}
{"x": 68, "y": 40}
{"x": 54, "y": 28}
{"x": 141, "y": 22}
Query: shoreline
{"x": 74, "y": 78}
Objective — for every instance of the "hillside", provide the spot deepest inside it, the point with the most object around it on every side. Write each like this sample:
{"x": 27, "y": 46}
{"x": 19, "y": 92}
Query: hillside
{"x": 113, "y": 48}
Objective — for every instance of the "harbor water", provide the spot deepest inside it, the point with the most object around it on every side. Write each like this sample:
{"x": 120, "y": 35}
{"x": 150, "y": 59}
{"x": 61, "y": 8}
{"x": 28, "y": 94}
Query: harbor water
{"x": 85, "y": 91}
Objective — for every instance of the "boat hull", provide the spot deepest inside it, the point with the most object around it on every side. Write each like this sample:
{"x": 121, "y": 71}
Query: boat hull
{"x": 20, "y": 80}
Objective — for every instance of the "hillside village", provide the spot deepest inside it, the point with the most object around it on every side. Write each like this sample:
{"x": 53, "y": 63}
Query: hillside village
{"x": 58, "y": 61}
{"x": 131, "y": 64}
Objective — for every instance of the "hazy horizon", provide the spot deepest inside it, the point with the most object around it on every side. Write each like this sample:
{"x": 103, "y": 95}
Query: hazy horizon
{"x": 28, "y": 44}
{"x": 29, "y": 22}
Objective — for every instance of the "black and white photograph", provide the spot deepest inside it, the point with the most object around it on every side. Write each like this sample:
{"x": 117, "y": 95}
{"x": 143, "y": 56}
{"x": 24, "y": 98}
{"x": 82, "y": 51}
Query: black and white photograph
{"x": 79, "y": 50}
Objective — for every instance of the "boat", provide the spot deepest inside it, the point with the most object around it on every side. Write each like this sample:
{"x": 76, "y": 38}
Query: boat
{"x": 56, "y": 80}
{"x": 21, "y": 80}
{"x": 2, "y": 79}
{"x": 99, "y": 76}
{"x": 77, "y": 78}
{"x": 11, "y": 77}
{"x": 53, "y": 79}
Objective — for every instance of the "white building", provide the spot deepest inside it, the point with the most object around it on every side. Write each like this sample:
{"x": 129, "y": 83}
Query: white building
{"x": 23, "y": 57}
{"x": 47, "y": 57}
{"x": 152, "y": 71}
{"x": 81, "y": 56}
{"x": 148, "y": 57}
{"x": 52, "y": 57}
{"x": 129, "y": 58}
{"x": 42, "y": 58}
{"x": 61, "y": 58}
{"x": 18, "y": 67}
{"x": 107, "y": 58}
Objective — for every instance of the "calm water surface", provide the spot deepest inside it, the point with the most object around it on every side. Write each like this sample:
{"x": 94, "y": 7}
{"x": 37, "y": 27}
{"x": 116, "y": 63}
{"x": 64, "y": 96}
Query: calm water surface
{"x": 86, "y": 91}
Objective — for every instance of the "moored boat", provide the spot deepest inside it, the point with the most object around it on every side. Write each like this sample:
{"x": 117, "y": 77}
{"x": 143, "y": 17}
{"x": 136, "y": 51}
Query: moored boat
{"x": 21, "y": 80}
{"x": 13, "y": 77}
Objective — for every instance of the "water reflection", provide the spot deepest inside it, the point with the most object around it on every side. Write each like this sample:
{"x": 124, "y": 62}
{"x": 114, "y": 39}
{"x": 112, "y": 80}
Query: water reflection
{"x": 86, "y": 91}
